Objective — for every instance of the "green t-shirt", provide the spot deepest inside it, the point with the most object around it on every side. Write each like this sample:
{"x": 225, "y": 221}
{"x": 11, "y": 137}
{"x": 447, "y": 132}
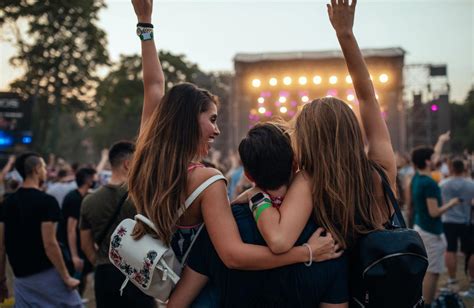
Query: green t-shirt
{"x": 96, "y": 211}
{"x": 424, "y": 187}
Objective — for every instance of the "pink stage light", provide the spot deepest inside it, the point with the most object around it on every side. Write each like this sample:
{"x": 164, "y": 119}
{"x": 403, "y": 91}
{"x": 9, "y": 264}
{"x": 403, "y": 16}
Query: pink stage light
{"x": 434, "y": 108}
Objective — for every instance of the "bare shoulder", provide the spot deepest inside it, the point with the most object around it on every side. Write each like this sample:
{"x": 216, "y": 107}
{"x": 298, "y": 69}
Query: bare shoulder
{"x": 301, "y": 184}
{"x": 199, "y": 175}
{"x": 301, "y": 177}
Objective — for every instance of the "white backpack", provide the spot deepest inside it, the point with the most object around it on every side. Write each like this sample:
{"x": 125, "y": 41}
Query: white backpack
{"x": 149, "y": 263}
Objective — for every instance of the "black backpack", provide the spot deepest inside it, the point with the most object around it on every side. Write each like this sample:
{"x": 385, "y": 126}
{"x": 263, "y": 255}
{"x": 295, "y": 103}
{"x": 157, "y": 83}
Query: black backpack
{"x": 448, "y": 299}
{"x": 388, "y": 266}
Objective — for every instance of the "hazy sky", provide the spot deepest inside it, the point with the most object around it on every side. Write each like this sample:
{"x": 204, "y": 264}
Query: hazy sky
{"x": 211, "y": 32}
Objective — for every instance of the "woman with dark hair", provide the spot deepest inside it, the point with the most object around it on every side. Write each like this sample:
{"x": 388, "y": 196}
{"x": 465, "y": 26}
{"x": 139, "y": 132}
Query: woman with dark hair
{"x": 177, "y": 130}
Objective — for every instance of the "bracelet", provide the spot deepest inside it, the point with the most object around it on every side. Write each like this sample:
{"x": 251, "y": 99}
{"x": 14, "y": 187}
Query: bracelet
{"x": 145, "y": 33}
{"x": 310, "y": 255}
{"x": 145, "y": 25}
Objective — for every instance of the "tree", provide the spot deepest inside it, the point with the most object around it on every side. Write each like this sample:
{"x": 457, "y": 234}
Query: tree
{"x": 60, "y": 50}
{"x": 119, "y": 96}
{"x": 463, "y": 124}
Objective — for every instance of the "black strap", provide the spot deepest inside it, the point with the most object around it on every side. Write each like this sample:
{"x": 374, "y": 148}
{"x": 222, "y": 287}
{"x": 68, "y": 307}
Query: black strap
{"x": 388, "y": 191}
{"x": 112, "y": 219}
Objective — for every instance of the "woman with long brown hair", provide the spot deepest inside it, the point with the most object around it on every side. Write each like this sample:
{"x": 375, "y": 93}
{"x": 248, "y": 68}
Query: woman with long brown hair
{"x": 177, "y": 130}
{"x": 338, "y": 182}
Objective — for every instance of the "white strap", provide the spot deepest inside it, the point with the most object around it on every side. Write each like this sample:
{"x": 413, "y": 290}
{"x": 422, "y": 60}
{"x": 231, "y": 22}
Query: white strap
{"x": 146, "y": 221}
{"x": 169, "y": 271}
{"x": 185, "y": 257}
{"x": 124, "y": 284}
{"x": 199, "y": 190}
{"x": 187, "y": 203}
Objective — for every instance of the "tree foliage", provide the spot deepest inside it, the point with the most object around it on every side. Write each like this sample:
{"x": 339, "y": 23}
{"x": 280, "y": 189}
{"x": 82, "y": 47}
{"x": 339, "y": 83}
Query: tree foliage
{"x": 120, "y": 95}
{"x": 462, "y": 122}
{"x": 60, "y": 48}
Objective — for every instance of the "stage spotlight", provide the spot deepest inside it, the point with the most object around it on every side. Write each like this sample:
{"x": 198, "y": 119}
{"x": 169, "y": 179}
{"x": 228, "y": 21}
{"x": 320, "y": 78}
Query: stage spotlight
{"x": 287, "y": 80}
{"x": 283, "y": 109}
{"x": 256, "y": 83}
{"x": 282, "y": 99}
{"x": 261, "y": 100}
{"x": 350, "y": 97}
{"x": 305, "y": 99}
{"x": 303, "y": 80}
{"x": 262, "y": 110}
{"x": 273, "y": 81}
{"x": 333, "y": 80}
{"x": 348, "y": 79}
{"x": 434, "y": 108}
{"x": 317, "y": 79}
{"x": 383, "y": 78}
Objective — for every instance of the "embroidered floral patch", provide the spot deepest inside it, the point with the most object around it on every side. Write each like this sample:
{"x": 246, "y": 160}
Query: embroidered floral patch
{"x": 141, "y": 276}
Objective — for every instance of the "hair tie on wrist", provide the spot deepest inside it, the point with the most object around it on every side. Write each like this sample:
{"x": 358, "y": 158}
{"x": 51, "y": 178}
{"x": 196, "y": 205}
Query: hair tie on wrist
{"x": 144, "y": 25}
{"x": 310, "y": 255}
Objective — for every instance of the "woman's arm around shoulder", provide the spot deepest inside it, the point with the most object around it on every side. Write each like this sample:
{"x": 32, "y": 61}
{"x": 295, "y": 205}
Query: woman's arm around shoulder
{"x": 281, "y": 227}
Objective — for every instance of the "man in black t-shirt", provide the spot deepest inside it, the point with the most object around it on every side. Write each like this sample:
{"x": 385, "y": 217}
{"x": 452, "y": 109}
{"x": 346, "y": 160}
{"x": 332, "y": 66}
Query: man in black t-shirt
{"x": 68, "y": 229}
{"x": 27, "y": 235}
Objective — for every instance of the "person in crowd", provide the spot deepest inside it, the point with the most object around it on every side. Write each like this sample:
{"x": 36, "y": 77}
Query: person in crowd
{"x": 27, "y": 236}
{"x": 97, "y": 210}
{"x": 268, "y": 160}
{"x": 469, "y": 255}
{"x": 456, "y": 220}
{"x": 68, "y": 227}
{"x": 177, "y": 131}
{"x": 233, "y": 178}
{"x": 5, "y": 185}
{"x": 65, "y": 183}
{"x": 437, "y": 160}
{"x": 428, "y": 208}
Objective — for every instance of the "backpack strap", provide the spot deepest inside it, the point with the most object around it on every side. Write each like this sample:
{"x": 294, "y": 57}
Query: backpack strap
{"x": 112, "y": 219}
{"x": 199, "y": 190}
{"x": 387, "y": 190}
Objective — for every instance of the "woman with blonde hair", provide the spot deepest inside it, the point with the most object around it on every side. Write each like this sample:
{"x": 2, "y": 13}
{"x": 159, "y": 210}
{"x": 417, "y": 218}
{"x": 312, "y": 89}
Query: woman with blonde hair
{"x": 177, "y": 130}
{"x": 338, "y": 182}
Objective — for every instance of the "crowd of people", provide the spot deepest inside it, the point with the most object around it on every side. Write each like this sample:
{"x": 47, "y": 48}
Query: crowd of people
{"x": 303, "y": 194}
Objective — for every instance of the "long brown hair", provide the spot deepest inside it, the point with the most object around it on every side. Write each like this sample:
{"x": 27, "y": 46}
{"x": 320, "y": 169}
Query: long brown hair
{"x": 330, "y": 149}
{"x": 170, "y": 140}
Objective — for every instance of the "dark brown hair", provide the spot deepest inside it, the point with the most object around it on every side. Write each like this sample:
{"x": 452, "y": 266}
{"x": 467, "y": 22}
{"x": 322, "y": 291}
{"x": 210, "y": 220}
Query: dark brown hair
{"x": 169, "y": 141}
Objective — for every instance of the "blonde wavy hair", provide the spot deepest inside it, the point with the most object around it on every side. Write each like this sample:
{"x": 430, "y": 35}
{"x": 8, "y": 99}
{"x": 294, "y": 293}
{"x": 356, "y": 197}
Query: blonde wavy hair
{"x": 329, "y": 147}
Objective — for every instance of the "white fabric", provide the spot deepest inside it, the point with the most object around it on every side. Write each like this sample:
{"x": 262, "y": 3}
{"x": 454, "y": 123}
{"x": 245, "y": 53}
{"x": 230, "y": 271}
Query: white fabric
{"x": 435, "y": 245}
{"x": 148, "y": 262}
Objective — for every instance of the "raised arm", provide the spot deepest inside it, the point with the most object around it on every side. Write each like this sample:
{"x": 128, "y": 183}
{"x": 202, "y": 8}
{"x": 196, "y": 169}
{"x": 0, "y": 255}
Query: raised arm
{"x": 341, "y": 15}
{"x": 153, "y": 77}
{"x": 438, "y": 148}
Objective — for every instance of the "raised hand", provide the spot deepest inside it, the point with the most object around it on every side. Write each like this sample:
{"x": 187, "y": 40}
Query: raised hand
{"x": 341, "y": 15}
{"x": 445, "y": 137}
{"x": 143, "y": 10}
